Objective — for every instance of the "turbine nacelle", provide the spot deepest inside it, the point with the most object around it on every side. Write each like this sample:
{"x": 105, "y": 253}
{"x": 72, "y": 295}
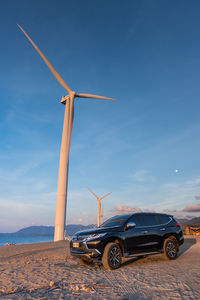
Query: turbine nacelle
{"x": 64, "y": 99}
{"x": 73, "y": 95}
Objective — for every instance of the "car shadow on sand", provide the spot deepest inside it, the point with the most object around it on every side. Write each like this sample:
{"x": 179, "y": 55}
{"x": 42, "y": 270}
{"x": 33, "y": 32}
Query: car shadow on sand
{"x": 128, "y": 261}
{"x": 73, "y": 262}
{"x": 188, "y": 243}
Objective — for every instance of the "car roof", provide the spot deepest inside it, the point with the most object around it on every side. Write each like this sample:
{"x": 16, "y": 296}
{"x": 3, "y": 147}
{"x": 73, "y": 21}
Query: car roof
{"x": 142, "y": 212}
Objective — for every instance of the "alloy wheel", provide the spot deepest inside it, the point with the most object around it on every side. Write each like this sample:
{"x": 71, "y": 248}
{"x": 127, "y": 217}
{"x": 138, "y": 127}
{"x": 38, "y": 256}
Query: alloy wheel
{"x": 114, "y": 256}
{"x": 171, "y": 249}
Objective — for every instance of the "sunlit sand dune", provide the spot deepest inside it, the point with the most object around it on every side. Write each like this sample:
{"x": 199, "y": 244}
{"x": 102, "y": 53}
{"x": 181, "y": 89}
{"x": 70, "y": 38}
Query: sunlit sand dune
{"x": 46, "y": 271}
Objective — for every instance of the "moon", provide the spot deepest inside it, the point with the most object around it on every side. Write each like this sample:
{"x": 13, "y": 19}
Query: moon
{"x": 176, "y": 170}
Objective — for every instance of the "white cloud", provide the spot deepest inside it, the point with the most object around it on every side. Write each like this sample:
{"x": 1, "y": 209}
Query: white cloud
{"x": 142, "y": 176}
{"x": 192, "y": 208}
{"x": 80, "y": 220}
{"x": 15, "y": 215}
{"x": 194, "y": 181}
{"x": 125, "y": 209}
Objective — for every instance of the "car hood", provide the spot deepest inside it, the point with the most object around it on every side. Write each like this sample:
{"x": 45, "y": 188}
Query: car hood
{"x": 97, "y": 231}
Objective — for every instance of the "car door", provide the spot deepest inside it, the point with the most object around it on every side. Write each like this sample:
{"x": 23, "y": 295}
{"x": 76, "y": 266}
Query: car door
{"x": 152, "y": 236}
{"x": 134, "y": 237}
{"x": 164, "y": 224}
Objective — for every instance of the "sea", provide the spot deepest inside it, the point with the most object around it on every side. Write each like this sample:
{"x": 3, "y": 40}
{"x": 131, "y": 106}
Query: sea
{"x": 24, "y": 240}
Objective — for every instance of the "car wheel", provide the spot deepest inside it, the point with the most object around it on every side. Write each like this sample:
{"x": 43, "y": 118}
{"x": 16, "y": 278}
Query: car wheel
{"x": 112, "y": 256}
{"x": 170, "y": 248}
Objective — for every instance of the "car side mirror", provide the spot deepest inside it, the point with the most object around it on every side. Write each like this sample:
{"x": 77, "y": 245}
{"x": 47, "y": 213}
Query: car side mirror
{"x": 130, "y": 225}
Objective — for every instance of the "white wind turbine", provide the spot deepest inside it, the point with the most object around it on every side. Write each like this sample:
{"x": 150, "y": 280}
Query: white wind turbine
{"x": 65, "y": 145}
{"x": 99, "y": 212}
{"x": 102, "y": 215}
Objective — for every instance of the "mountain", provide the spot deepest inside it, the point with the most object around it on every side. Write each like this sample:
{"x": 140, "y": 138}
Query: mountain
{"x": 47, "y": 230}
{"x": 72, "y": 228}
{"x": 192, "y": 222}
{"x": 182, "y": 221}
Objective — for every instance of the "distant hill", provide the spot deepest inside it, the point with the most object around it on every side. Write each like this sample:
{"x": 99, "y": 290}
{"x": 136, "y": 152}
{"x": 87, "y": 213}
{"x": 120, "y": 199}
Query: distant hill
{"x": 72, "y": 228}
{"x": 192, "y": 222}
{"x": 182, "y": 221}
{"x": 46, "y": 230}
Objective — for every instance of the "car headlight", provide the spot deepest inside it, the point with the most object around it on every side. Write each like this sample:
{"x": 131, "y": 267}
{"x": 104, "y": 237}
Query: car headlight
{"x": 94, "y": 236}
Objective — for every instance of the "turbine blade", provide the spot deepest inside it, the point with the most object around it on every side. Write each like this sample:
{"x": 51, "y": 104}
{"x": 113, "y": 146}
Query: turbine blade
{"x": 93, "y": 97}
{"x": 60, "y": 80}
{"x": 93, "y": 193}
{"x": 106, "y": 195}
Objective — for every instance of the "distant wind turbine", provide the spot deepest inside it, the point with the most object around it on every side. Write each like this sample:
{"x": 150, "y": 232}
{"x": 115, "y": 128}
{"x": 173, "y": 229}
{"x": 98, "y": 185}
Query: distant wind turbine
{"x": 99, "y": 212}
{"x": 102, "y": 214}
{"x": 65, "y": 145}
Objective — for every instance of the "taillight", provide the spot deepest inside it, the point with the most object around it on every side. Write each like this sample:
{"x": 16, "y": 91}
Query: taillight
{"x": 177, "y": 225}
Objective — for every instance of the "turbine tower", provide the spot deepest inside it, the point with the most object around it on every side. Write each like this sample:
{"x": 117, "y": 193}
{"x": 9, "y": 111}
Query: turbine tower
{"x": 65, "y": 145}
{"x": 102, "y": 215}
{"x": 99, "y": 212}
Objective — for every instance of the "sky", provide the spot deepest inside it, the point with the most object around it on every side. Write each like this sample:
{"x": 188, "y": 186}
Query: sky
{"x": 144, "y": 147}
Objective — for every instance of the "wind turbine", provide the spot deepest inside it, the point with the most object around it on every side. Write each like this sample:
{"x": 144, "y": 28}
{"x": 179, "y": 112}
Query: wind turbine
{"x": 65, "y": 145}
{"x": 99, "y": 212}
{"x": 102, "y": 215}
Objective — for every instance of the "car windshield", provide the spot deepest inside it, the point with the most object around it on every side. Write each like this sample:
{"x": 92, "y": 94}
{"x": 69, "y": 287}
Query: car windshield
{"x": 115, "y": 221}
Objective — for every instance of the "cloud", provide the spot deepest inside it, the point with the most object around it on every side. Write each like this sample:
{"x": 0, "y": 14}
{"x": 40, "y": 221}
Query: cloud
{"x": 142, "y": 176}
{"x": 197, "y": 181}
{"x": 194, "y": 181}
{"x": 149, "y": 210}
{"x": 18, "y": 171}
{"x": 192, "y": 208}
{"x": 15, "y": 215}
{"x": 170, "y": 211}
{"x": 80, "y": 220}
{"x": 178, "y": 214}
{"x": 181, "y": 216}
{"x": 197, "y": 197}
{"x": 125, "y": 209}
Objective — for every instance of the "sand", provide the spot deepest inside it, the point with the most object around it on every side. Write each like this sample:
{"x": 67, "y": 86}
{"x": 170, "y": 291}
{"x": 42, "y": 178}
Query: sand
{"x": 46, "y": 271}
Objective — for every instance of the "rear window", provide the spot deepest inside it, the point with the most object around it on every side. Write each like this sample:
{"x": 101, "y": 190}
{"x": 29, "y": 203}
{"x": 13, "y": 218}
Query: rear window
{"x": 163, "y": 219}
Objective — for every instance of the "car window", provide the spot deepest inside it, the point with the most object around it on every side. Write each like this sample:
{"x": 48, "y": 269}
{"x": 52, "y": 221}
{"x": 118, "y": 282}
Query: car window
{"x": 163, "y": 219}
{"x": 150, "y": 220}
{"x": 138, "y": 220}
{"x": 113, "y": 222}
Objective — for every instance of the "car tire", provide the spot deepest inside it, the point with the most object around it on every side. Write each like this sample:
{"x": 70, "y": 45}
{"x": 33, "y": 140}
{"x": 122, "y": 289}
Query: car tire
{"x": 112, "y": 256}
{"x": 170, "y": 248}
{"x": 84, "y": 261}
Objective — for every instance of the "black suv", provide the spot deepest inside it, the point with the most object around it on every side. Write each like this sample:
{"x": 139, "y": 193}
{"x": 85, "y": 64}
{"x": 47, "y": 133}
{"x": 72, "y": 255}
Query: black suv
{"x": 139, "y": 234}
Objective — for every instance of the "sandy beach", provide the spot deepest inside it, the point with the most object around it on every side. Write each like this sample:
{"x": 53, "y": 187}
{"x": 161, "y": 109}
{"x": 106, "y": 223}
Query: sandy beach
{"x": 46, "y": 271}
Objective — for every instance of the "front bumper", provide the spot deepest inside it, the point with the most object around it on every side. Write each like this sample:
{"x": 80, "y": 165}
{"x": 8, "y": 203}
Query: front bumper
{"x": 87, "y": 250}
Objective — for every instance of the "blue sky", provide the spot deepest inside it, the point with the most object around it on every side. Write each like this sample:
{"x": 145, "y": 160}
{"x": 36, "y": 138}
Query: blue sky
{"x": 146, "y": 54}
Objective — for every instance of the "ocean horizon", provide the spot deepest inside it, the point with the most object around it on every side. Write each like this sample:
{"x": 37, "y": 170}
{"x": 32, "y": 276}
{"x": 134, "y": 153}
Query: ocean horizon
{"x": 24, "y": 239}
{"x": 38, "y": 234}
